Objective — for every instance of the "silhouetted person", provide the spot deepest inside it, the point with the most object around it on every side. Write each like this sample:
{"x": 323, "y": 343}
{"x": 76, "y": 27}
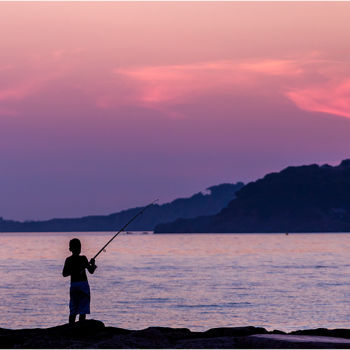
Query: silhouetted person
{"x": 74, "y": 267}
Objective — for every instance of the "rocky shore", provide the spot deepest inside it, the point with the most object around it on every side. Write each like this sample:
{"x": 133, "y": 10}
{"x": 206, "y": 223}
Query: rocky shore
{"x": 94, "y": 334}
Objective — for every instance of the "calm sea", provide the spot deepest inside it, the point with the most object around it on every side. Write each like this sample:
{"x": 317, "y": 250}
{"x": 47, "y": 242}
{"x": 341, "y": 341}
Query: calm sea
{"x": 196, "y": 281}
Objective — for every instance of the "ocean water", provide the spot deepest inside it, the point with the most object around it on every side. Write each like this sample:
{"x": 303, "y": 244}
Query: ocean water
{"x": 198, "y": 281}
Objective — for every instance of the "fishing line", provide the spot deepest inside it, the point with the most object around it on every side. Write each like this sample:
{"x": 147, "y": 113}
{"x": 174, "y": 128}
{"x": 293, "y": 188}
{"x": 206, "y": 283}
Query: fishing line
{"x": 123, "y": 228}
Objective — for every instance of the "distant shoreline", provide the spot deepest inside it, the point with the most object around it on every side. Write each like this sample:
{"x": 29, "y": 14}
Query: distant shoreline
{"x": 151, "y": 233}
{"x": 141, "y": 233}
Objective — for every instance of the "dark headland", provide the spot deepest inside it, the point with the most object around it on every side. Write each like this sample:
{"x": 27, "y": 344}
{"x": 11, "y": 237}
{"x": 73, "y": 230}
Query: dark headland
{"x": 94, "y": 334}
{"x": 308, "y": 198}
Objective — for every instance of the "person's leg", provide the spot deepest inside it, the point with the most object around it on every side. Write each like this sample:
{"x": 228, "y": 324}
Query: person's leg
{"x": 72, "y": 318}
{"x": 84, "y": 302}
{"x": 73, "y": 304}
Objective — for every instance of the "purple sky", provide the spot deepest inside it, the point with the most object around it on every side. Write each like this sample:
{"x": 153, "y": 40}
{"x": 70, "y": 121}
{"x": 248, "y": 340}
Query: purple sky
{"x": 108, "y": 106}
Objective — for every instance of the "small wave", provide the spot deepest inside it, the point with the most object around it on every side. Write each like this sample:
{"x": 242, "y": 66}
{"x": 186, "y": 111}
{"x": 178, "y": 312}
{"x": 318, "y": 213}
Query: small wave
{"x": 328, "y": 284}
{"x": 116, "y": 283}
{"x": 7, "y": 287}
{"x": 303, "y": 267}
{"x": 157, "y": 300}
{"x": 225, "y": 305}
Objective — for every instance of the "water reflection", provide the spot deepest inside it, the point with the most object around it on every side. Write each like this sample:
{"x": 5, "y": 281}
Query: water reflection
{"x": 195, "y": 281}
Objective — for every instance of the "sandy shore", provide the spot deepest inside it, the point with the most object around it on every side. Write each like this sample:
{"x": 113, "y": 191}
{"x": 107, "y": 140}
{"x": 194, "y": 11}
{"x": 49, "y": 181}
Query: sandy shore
{"x": 94, "y": 334}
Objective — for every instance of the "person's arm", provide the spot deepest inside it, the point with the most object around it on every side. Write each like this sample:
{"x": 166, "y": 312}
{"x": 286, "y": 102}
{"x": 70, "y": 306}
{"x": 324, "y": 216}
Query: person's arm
{"x": 91, "y": 267}
{"x": 66, "y": 269}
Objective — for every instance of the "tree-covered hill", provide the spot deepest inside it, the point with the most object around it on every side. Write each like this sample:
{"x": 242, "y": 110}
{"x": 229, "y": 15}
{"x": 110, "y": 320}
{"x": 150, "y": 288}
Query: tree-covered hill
{"x": 298, "y": 199}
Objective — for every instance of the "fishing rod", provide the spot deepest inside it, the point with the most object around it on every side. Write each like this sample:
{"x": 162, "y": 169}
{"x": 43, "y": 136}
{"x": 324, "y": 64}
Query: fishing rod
{"x": 123, "y": 228}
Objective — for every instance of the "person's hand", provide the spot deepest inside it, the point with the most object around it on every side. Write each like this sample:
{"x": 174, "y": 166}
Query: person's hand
{"x": 92, "y": 262}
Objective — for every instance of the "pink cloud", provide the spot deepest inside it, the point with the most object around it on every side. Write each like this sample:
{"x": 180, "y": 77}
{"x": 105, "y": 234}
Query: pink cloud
{"x": 163, "y": 87}
{"x": 172, "y": 84}
{"x": 35, "y": 75}
{"x": 331, "y": 98}
{"x": 274, "y": 67}
{"x": 20, "y": 91}
{"x": 177, "y": 83}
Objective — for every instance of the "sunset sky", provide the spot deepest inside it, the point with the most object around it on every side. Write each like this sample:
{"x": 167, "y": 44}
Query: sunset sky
{"x": 109, "y": 105}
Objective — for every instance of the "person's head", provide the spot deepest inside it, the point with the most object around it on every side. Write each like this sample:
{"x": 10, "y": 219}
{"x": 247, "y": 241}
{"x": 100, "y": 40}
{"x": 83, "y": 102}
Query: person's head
{"x": 75, "y": 246}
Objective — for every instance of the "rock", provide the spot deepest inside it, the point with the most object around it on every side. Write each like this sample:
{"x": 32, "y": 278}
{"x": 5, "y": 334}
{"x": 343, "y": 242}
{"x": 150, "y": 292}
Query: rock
{"x": 285, "y": 341}
{"x": 94, "y": 334}
{"x": 207, "y": 343}
{"x": 276, "y": 331}
{"x": 342, "y": 333}
{"x": 167, "y": 332}
{"x": 233, "y": 332}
